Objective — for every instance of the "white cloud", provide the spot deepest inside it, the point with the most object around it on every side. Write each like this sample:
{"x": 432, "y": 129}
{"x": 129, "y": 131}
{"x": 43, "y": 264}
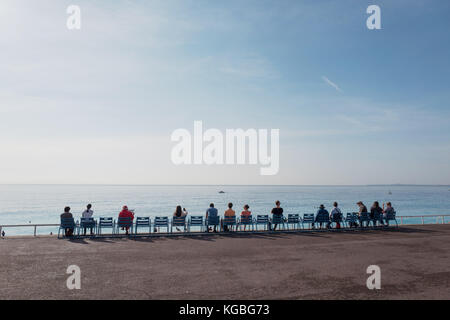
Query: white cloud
{"x": 332, "y": 84}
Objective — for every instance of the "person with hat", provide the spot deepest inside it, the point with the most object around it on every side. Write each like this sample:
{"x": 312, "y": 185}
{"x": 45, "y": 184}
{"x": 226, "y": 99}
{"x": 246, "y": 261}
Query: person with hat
{"x": 321, "y": 214}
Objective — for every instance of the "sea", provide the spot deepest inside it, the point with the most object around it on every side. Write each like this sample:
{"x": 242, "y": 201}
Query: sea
{"x": 43, "y": 204}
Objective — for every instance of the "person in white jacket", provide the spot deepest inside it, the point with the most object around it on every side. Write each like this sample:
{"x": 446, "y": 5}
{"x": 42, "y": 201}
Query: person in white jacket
{"x": 88, "y": 213}
{"x": 336, "y": 211}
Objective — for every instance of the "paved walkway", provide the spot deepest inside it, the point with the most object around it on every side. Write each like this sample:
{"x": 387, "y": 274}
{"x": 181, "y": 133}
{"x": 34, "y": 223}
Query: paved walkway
{"x": 414, "y": 262}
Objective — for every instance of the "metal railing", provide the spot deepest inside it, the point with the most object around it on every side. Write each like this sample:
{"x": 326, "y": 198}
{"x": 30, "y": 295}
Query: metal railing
{"x": 35, "y": 226}
{"x": 439, "y": 218}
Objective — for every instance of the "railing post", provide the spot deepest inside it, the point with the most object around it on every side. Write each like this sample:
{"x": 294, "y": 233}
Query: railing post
{"x": 35, "y": 226}
{"x": 423, "y": 220}
{"x": 0, "y": 231}
{"x": 443, "y": 220}
{"x": 401, "y": 220}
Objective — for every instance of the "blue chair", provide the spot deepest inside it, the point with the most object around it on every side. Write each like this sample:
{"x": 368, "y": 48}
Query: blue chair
{"x": 87, "y": 223}
{"x": 104, "y": 223}
{"x": 293, "y": 219}
{"x": 277, "y": 220}
{"x": 124, "y": 223}
{"x": 142, "y": 222}
{"x": 364, "y": 217}
{"x": 161, "y": 222}
{"x": 391, "y": 216}
{"x": 262, "y": 220}
{"x": 195, "y": 221}
{"x": 322, "y": 219}
{"x": 67, "y": 223}
{"x": 178, "y": 222}
{"x": 228, "y": 222}
{"x": 213, "y": 221}
{"x": 308, "y": 218}
{"x": 246, "y": 221}
{"x": 376, "y": 218}
{"x": 351, "y": 219}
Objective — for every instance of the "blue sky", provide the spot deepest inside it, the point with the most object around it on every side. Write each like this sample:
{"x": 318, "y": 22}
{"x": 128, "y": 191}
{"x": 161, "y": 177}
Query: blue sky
{"x": 354, "y": 106}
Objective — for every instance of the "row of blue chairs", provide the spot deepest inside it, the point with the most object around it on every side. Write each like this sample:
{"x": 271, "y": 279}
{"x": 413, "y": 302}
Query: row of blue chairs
{"x": 291, "y": 222}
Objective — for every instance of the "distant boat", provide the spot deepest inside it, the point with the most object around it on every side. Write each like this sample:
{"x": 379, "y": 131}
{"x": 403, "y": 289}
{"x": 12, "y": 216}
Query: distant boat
{"x": 389, "y": 192}
{"x": 221, "y": 191}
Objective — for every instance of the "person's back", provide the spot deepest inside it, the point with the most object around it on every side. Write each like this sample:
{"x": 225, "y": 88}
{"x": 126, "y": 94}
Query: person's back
{"x": 336, "y": 215}
{"x": 335, "y": 210}
{"x": 125, "y": 213}
{"x": 322, "y": 216}
{"x": 246, "y": 212}
{"x": 211, "y": 213}
{"x": 376, "y": 210}
{"x": 230, "y": 213}
{"x": 322, "y": 212}
{"x": 178, "y": 212}
{"x": 245, "y": 216}
{"x": 66, "y": 215}
{"x": 389, "y": 213}
{"x": 88, "y": 213}
{"x": 277, "y": 213}
{"x": 362, "y": 209}
{"x": 376, "y": 213}
{"x": 389, "y": 210}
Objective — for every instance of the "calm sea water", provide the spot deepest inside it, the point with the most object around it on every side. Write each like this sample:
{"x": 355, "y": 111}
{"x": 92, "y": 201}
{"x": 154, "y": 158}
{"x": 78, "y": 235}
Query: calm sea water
{"x": 42, "y": 204}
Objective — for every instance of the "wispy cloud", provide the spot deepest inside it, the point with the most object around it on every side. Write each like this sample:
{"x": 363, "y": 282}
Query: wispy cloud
{"x": 331, "y": 83}
{"x": 249, "y": 67}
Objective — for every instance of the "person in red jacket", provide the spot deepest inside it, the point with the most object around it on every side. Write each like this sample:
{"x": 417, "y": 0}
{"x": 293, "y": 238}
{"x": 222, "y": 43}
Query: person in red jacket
{"x": 125, "y": 213}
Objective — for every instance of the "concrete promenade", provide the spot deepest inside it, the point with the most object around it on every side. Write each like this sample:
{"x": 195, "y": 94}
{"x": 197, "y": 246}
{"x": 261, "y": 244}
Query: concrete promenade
{"x": 414, "y": 262}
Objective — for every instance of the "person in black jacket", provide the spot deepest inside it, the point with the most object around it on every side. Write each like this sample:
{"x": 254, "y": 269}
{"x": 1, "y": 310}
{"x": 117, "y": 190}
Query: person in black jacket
{"x": 362, "y": 209}
{"x": 376, "y": 214}
{"x": 276, "y": 212}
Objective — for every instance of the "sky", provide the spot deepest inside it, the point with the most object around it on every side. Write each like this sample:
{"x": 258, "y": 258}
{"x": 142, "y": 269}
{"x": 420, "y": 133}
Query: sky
{"x": 98, "y": 105}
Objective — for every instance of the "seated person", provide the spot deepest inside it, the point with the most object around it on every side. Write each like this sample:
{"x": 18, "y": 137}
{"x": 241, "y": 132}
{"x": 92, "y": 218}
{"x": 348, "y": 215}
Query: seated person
{"x": 68, "y": 232}
{"x": 229, "y": 213}
{"x": 125, "y": 213}
{"x": 213, "y": 213}
{"x": 246, "y": 213}
{"x": 376, "y": 214}
{"x": 362, "y": 209}
{"x": 276, "y": 213}
{"x": 321, "y": 214}
{"x": 180, "y": 214}
{"x": 87, "y": 214}
{"x": 336, "y": 213}
{"x": 388, "y": 211}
